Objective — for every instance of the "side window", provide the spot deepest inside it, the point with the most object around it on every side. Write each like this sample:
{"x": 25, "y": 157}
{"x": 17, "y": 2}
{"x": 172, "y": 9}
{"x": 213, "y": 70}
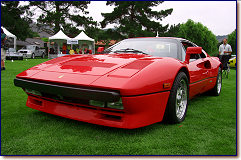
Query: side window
{"x": 183, "y": 53}
{"x": 203, "y": 54}
{"x": 37, "y": 48}
{"x": 185, "y": 45}
{"x": 193, "y": 57}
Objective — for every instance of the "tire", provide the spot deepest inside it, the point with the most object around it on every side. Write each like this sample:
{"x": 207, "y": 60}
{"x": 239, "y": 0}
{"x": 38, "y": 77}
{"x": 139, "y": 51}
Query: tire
{"x": 42, "y": 55}
{"x": 218, "y": 86}
{"x": 178, "y": 100}
{"x": 33, "y": 56}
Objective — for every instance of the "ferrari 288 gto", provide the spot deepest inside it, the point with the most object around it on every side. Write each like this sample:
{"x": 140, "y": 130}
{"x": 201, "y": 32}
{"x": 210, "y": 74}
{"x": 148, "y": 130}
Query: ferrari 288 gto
{"x": 134, "y": 83}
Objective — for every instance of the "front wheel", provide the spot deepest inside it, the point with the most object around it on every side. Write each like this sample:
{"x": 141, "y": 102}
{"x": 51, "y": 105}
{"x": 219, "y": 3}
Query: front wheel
{"x": 178, "y": 100}
{"x": 33, "y": 56}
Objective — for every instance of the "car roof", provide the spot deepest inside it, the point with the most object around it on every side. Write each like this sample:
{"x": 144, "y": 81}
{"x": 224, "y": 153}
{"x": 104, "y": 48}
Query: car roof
{"x": 176, "y": 38}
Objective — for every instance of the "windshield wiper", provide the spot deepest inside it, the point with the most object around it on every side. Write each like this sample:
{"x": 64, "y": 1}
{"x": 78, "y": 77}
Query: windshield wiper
{"x": 129, "y": 50}
{"x": 106, "y": 51}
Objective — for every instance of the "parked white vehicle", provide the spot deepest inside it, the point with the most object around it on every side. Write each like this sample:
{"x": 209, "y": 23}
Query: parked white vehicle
{"x": 32, "y": 51}
{"x": 12, "y": 54}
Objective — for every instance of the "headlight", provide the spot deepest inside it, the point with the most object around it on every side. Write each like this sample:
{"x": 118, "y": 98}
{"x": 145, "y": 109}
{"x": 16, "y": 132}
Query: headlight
{"x": 115, "y": 105}
{"x": 97, "y": 103}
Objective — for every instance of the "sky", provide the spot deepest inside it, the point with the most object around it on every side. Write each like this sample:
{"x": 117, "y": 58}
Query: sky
{"x": 218, "y": 16}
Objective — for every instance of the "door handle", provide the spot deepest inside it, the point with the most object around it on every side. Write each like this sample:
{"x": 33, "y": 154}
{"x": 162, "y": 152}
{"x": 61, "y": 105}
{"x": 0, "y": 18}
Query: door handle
{"x": 205, "y": 73}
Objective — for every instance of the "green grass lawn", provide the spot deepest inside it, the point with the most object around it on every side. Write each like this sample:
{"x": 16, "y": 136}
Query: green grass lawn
{"x": 209, "y": 128}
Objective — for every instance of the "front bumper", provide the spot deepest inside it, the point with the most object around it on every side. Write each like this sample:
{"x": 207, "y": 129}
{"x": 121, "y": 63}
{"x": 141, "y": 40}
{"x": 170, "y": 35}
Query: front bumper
{"x": 139, "y": 110}
{"x": 14, "y": 57}
{"x": 27, "y": 55}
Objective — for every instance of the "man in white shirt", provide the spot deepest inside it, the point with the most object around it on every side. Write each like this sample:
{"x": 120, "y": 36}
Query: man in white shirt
{"x": 225, "y": 51}
{"x": 225, "y": 48}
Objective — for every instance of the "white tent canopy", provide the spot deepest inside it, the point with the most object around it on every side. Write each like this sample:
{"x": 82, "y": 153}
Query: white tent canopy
{"x": 10, "y": 35}
{"x": 59, "y": 35}
{"x": 83, "y": 38}
{"x": 59, "y": 38}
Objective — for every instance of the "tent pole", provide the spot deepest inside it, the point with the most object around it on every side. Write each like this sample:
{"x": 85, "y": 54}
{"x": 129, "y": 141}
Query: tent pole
{"x": 58, "y": 49}
{"x": 48, "y": 44}
{"x": 94, "y": 47}
{"x": 15, "y": 43}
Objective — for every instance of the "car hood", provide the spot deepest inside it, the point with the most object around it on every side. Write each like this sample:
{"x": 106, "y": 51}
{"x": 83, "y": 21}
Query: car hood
{"x": 24, "y": 50}
{"x": 11, "y": 52}
{"x": 97, "y": 65}
{"x": 85, "y": 69}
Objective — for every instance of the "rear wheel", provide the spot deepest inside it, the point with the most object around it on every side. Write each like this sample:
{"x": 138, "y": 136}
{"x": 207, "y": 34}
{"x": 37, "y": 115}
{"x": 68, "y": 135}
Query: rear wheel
{"x": 217, "y": 88}
{"x": 178, "y": 100}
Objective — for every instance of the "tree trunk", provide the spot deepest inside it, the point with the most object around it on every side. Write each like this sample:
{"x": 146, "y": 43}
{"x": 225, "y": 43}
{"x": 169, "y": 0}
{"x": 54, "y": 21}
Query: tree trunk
{"x": 131, "y": 34}
{"x": 57, "y": 19}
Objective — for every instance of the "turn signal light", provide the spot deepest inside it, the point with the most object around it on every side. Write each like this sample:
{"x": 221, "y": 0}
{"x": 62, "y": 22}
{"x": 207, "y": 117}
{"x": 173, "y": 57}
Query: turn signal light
{"x": 166, "y": 85}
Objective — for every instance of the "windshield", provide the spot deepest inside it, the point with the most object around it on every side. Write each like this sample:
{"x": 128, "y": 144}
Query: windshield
{"x": 28, "y": 47}
{"x": 152, "y": 46}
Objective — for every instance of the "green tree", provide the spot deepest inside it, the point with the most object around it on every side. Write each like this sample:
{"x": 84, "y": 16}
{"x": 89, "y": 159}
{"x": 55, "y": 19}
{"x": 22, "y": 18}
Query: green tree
{"x": 104, "y": 34}
{"x": 232, "y": 41}
{"x": 107, "y": 35}
{"x": 11, "y": 19}
{"x": 199, "y": 34}
{"x": 63, "y": 13}
{"x": 134, "y": 18}
{"x": 173, "y": 31}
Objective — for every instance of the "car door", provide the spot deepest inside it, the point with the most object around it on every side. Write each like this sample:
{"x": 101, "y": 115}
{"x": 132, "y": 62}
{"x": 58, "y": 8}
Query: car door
{"x": 198, "y": 71}
{"x": 210, "y": 70}
{"x": 37, "y": 53}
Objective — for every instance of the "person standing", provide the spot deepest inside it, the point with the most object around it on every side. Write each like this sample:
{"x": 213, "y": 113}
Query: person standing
{"x": 225, "y": 51}
{"x": 3, "y": 52}
{"x": 225, "y": 48}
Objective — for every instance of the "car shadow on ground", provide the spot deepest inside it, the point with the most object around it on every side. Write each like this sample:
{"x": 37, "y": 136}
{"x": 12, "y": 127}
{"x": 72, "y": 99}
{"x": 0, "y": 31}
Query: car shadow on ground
{"x": 46, "y": 118}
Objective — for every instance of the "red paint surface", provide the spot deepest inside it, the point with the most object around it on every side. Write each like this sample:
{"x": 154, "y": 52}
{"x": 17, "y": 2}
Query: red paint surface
{"x": 139, "y": 78}
{"x": 139, "y": 111}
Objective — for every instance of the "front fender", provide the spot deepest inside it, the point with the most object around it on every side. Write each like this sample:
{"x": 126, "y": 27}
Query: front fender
{"x": 152, "y": 78}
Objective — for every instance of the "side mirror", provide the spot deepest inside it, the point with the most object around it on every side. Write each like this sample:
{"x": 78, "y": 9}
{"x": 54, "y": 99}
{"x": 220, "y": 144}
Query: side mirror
{"x": 100, "y": 49}
{"x": 192, "y": 50}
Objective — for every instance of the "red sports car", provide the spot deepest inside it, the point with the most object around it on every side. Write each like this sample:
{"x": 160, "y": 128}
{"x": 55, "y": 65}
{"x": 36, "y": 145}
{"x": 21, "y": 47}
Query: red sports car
{"x": 137, "y": 82}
